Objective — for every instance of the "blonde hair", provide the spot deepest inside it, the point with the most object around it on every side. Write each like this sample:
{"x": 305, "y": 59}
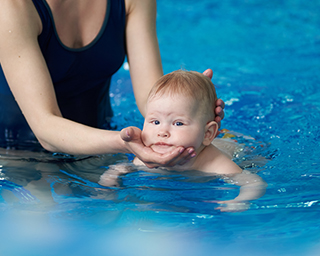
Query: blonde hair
{"x": 190, "y": 84}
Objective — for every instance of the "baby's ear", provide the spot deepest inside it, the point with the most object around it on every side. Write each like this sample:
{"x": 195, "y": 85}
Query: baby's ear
{"x": 211, "y": 130}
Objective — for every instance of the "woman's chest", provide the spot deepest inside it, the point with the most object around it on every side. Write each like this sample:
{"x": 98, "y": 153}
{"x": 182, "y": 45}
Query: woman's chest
{"x": 78, "y": 23}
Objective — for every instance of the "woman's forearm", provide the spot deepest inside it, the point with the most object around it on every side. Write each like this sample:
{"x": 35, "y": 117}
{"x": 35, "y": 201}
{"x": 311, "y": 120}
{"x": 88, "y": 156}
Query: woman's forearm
{"x": 58, "y": 134}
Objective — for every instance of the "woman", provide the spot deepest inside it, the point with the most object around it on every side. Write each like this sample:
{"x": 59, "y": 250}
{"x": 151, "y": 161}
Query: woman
{"x": 57, "y": 59}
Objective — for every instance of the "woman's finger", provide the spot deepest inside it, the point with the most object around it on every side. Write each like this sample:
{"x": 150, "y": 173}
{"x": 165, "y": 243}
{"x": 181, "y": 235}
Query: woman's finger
{"x": 184, "y": 156}
{"x": 208, "y": 73}
{"x": 220, "y": 103}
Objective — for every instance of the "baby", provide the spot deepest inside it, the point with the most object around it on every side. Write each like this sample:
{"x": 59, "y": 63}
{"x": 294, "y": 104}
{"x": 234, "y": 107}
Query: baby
{"x": 180, "y": 112}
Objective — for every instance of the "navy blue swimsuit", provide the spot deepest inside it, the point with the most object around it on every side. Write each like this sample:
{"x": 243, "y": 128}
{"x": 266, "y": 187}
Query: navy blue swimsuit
{"x": 81, "y": 77}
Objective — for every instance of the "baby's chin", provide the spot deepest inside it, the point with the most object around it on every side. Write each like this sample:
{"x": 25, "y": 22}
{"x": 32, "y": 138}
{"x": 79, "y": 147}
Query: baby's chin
{"x": 162, "y": 149}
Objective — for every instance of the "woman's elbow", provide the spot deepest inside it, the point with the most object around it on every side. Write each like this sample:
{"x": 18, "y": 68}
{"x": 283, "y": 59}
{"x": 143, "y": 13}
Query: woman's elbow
{"x": 47, "y": 146}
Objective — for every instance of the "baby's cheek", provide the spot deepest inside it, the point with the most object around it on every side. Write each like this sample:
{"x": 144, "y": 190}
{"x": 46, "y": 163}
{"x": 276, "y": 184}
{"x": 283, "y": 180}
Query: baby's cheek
{"x": 145, "y": 138}
{"x": 196, "y": 142}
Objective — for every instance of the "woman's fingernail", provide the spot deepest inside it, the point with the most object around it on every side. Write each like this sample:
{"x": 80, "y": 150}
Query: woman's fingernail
{"x": 193, "y": 155}
{"x": 181, "y": 150}
{"x": 190, "y": 151}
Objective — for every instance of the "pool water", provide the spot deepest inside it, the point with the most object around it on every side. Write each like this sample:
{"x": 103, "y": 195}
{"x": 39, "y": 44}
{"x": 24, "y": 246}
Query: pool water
{"x": 266, "y": 61}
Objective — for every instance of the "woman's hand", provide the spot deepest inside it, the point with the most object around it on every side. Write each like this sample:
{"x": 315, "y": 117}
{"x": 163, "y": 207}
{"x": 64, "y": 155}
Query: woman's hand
{"x": 132, "y": 138}
{"x": 219, "y": 111}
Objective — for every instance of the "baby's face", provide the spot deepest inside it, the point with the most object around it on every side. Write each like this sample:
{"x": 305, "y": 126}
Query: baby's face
{"x": 173, "y": 121}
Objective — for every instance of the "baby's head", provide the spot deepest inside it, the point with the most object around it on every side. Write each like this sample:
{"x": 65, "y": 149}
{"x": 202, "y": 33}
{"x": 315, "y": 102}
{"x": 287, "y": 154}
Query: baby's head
{"x": 192, "y": 85}
{"x": 180, "y": 112}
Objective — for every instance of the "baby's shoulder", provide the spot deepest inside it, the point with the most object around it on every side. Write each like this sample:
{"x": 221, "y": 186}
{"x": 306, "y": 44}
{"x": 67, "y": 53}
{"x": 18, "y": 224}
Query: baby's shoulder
{"x": 216, "y": 161}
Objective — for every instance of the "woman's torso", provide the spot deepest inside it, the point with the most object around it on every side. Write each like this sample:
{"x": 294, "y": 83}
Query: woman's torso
{"x": 81, "y": 55}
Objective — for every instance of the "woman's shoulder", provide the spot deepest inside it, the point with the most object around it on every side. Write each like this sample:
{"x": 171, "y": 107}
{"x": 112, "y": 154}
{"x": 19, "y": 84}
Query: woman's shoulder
{"x": 136, "y": 5}
{"x": 19, "y": 14}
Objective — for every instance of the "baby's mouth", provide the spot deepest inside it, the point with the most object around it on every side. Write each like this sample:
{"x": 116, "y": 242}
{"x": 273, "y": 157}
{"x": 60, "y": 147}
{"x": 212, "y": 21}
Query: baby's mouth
{"x": 162, "y": 147}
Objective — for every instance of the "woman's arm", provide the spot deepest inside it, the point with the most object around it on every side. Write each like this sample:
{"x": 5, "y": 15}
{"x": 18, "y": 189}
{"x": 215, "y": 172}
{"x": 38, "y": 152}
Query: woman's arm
{"x": 142, "y": 48}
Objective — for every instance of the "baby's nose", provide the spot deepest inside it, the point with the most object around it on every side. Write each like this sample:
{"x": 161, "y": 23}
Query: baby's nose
{"x": 163, "y": 134}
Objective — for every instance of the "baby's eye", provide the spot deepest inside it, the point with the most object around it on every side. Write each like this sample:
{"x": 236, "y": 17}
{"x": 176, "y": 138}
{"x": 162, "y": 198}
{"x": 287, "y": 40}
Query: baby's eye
{"x": 178, "y": 123}
{"x": 156, "y": 122}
